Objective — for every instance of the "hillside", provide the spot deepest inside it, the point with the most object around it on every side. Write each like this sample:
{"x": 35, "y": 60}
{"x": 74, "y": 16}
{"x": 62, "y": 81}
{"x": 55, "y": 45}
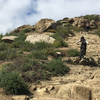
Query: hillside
{"x": 45, "y": 58}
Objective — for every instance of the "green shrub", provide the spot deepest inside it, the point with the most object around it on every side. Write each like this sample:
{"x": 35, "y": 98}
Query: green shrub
{"x": 27, "y": 46}
{"x": 3, "y": 46}
{"x": 1, "y": 36}
{"x": 11, "y": 33}
{"x": 59, "y": 22}
{"x": 63, "y": 31}
{"x": 97, "y": 32}
{"x": 60, "y": 43}
{"x": 73, "y": 52}
{"x": 38, "y": 54}
{"x": 8, "y": 54}
{"x": 92, "y": 17}
{"x": 12, "y": 83}
{"x": 52, "y": 30}
{"x": 25, "y": 31}
{"x": 42, "y": 45}
{"x": 18, "y": 42}
{"x": 77, "y": 29}
{"x": 30, "y": 70}
{"x": 57, "y": 67}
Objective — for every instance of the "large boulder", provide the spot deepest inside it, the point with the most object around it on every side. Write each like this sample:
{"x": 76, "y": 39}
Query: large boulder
{"x": 29, "y": 27}
{"x": 93, "y": 24}
{"x": 9, "y": 39}
{"x": 39, "y": 38}
{"x": 74, "y": 91}
{"x": 45, "y": 24}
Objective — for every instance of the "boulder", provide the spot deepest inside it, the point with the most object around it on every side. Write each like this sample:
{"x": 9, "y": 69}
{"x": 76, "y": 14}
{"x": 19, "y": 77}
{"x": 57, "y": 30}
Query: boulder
{"x": 39, "y": 38}
{"x": 41, "y": 91}
{"x": 44, "y": 24}
{"x": 9, "y": 39}
{"x": 24, "y": 27}
{"x": 74, "y": 91}
{"x": 93, "y": 24}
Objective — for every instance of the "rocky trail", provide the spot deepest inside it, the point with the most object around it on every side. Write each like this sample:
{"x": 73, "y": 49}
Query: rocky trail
{"x": 81, "y": 83}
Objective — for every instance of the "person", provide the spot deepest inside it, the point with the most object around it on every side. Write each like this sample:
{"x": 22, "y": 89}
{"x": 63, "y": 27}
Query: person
{"x": 87, "y": 27}
{"x": 83, "y": 43}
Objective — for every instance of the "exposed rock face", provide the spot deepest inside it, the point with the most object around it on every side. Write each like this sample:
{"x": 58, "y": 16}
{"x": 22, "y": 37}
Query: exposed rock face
{"x": 24, "y": 27}
{"x": 81, "y": 21}
{"x": 45, "y": 24}
{"x": 93, "y": 24}
{"x": 39, "y": 38}
{"x": 9, "y": 39}
{"x": 74, "y": 91}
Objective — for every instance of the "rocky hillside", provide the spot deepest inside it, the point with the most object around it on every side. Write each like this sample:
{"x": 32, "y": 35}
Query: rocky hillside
{"x": 46, "y": 57}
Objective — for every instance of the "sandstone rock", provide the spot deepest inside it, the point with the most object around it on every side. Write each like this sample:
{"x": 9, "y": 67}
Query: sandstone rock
{"x": 20, "y": 97}
{"x": 58, "y": 53}
{"x": 24, "y": 27}
{"x": 33, "y": 88}
{"x": 9, "y": 39}
{"x": 74, "y": 91}
{"x": 93, "y": 24}
{"x": 41, "y": 91}
{"x": 45, "y": 24}
{"x": 39, "y": 38}
{"x": 71, "y": 20}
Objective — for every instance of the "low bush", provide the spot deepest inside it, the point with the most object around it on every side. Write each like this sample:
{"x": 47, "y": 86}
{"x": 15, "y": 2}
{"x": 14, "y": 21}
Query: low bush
{"x": 73, "y": 52}
{"x": 57, "y": 67}
{"x": 12, "y": 83}
{"x": 3, "y": 46}
{"x": 64, "y": 31}
{"x": 8, "y": 54}
{"x": 25, "y": 31}
{"x": 52, "y": 30}
{"x": 42, "y": 45}
{"x": 97, "y": 32}
{"x": 38, "y": 54}
{"x": 60, "y": 43}
{"x": 1, "y": 36}
{"x": 92, "y": 17}
{"x": 18, "y": 42}
{"x": 27, "y": 46}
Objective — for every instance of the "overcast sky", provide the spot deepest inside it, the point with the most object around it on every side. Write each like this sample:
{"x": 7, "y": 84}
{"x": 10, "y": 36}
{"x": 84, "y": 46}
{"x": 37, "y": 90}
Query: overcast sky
{"x": 14, "y": 13}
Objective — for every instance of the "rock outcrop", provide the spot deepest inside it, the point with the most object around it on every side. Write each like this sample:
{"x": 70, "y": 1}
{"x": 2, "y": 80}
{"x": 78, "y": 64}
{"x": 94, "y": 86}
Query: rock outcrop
{"x": 9, "y": 39}
{"x": 29, "y": 27}
{"x": 39, "y": 38}
{"x": 45, "y": 24}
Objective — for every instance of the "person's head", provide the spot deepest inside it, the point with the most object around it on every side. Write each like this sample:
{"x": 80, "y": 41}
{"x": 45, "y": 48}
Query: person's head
{"x": 82, "y": 38}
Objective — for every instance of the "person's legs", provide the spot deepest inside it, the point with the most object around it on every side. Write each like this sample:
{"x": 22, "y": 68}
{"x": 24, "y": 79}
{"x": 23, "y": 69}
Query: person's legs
{"x": 85, "y": 49}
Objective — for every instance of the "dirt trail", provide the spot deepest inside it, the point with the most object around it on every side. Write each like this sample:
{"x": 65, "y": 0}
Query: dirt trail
{"x": 79, "y": 72}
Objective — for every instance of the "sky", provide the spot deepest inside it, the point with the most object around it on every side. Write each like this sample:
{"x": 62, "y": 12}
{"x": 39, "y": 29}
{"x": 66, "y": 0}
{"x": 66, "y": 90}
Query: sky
{"x": 15, "y": 13}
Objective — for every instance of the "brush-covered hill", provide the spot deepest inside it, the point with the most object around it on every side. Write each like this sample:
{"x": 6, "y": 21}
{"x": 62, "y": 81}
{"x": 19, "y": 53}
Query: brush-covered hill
{"x": 41, "y": 62}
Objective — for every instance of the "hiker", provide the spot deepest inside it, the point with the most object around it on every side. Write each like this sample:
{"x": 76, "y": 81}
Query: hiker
{"x": 87, "y": 27}
{"x": 83, "y": 43}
